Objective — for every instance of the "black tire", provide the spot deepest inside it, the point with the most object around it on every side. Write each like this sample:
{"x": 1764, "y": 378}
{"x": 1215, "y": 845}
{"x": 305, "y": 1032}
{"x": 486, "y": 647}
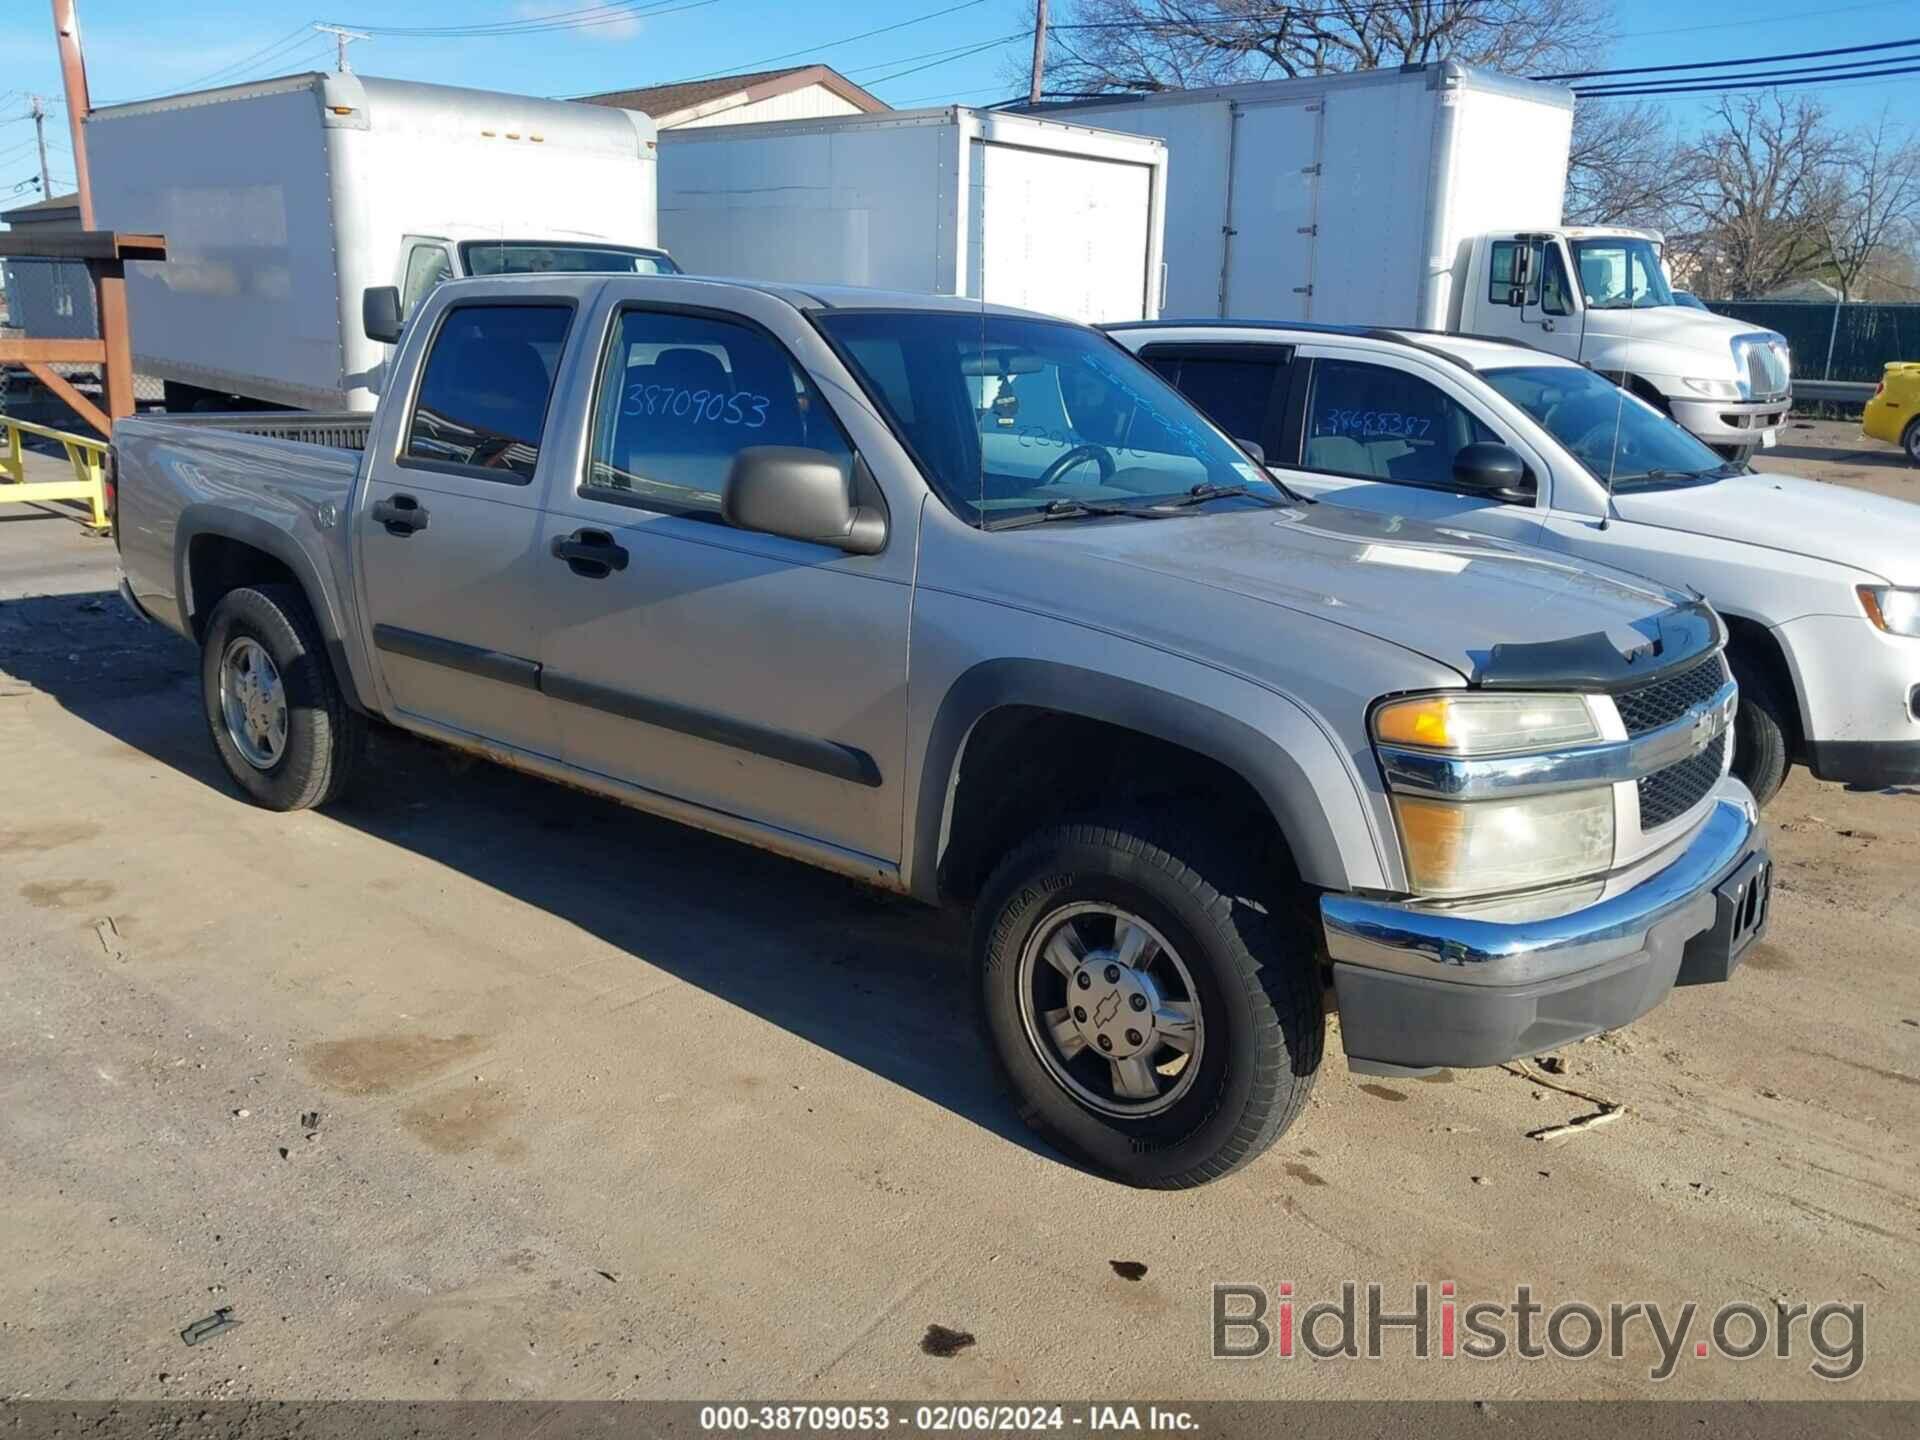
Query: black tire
{"x": 1736, "y": 454}
{"x": 324, "y": 737}
{"x": 1910, "y": 441}
{"x": 1256, "y": 984}
{"x": 1762, "y": 731}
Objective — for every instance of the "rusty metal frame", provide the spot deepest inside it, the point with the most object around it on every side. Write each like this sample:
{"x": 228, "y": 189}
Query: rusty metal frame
{"x": 105, "y": 253}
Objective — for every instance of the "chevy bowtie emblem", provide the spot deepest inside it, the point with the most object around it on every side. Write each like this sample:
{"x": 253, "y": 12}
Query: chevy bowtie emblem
{"x": 1707, "y": 725}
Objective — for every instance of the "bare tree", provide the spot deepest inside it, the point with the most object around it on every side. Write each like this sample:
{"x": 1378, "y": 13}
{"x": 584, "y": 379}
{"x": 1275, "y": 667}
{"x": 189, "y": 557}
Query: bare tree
{"x": 1764, "y": 196}
{"x": 1627, "y": 165}
{"x": 1871, "y": 211}
{"x": 1100, "y": 46}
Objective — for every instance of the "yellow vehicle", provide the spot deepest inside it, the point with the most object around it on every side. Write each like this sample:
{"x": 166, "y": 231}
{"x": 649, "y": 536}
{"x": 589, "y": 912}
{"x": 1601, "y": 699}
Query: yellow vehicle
{"x": 1893, "y": 414}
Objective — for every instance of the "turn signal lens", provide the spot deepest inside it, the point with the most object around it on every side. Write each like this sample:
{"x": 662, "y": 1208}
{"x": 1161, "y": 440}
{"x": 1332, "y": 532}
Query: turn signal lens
{"x": 1482, "y": 723}
{"x": 1892, "y": 608}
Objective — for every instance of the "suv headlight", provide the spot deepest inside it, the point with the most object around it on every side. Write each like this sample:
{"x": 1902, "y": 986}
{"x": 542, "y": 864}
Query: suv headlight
{"x": 1457, "y": 848}
{"x": 1894, "y": 608}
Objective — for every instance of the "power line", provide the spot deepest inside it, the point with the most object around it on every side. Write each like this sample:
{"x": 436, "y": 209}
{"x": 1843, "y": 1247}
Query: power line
{"x": 1730, "y": 64}
{"x": 948, "y": 60}
{"x": 1714, "y": 86}
{"x": 583, "y": 19}
{"x": 752, "y": 65}
{"x": 953, "y": 50}
{"x": 1784, "y": 76}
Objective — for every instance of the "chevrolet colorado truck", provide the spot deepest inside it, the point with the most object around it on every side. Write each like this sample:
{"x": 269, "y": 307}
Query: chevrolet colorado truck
{"x": 969, "y": 604}
{"x": 1819, "y": 585}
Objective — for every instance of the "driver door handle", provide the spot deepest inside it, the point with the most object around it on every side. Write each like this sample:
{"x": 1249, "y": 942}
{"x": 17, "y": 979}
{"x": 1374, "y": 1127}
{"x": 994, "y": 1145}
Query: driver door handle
{"x": 591, "y": 554}
{"x": 401, "y": 514}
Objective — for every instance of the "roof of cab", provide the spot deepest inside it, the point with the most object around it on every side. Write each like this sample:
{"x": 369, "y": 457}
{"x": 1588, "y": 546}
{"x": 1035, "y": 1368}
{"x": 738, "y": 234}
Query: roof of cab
{"x": 799, "y": 295}
{"x": 1475, "y": 352}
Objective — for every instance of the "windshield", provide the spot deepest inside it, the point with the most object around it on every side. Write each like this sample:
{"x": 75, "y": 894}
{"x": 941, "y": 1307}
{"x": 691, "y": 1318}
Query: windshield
{"x": 519, "y": 257}
{"x": 1621, "y": 274}
{"x": 1605, "y": 427}
{"x": 1014, "y": 415}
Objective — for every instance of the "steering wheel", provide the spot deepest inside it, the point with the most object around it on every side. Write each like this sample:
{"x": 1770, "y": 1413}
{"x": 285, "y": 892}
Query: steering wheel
{"x": 1099, "y": 454}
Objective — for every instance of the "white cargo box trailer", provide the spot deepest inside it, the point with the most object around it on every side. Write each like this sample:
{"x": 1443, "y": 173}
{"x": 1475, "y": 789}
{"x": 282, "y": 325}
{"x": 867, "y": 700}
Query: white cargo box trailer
{"x": 283, "y": 201}
{"x": 1346, "y": 198}
{"x": 1004, "y": 208}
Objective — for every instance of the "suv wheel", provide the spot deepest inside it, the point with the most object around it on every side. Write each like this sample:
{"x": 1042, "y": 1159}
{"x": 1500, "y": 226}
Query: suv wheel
{"x": 1762, "y": 731}
{"x": 275, "y": 711}
{"x": 1150, "y": 1021}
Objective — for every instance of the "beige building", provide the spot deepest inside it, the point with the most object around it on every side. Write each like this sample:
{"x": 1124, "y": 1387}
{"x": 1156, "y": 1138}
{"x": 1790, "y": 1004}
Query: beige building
{"x": 800, "y": 92}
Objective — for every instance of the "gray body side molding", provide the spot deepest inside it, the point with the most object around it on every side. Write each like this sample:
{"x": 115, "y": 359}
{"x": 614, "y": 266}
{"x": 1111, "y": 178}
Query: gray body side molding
{"x": 1274, "y": 775}
{"x": 207, "y": 519}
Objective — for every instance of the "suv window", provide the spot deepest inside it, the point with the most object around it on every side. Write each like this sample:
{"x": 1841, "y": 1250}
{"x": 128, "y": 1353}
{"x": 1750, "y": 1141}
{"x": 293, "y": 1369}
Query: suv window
{"x": 1384, "y": 424}
{"x": 680, "y": 395}
{"x": 482, "y": 405}
{"x": 1241, "y": 388}
{"x": 427, "y": 266}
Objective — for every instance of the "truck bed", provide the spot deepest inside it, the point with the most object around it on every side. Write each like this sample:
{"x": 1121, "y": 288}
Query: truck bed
{"x": 336, "y": 430}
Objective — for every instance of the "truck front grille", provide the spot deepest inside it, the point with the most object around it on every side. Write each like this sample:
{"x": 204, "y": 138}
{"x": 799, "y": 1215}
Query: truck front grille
{"x": 1668, "y": 794}
{"x": 1665, "y": 700}
{"x": 1768, "y": 367}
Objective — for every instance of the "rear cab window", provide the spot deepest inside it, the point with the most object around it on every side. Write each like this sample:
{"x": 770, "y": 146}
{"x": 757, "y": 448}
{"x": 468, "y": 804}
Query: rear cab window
{"x": 1242, "y": 388}
{"x": 481, "y": 407}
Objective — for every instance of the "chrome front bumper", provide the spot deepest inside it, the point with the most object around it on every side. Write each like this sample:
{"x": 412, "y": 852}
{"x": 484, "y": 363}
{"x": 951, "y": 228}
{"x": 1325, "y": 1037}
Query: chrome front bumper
{"x": 1730, "y": 422}
{"x": 1420, "y": 986}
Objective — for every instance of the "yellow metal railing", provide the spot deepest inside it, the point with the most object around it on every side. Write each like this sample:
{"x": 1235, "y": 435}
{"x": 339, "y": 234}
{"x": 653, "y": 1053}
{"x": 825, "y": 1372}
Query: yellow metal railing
{"x": 87, "y": 456}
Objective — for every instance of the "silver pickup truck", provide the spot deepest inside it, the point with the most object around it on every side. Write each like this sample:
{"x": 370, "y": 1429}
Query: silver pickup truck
{"x": 971, "y": 605}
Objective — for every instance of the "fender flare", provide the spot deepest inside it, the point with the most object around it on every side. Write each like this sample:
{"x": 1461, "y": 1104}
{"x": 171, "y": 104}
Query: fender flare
{"x": 204, "y": 519}
{"x": 1276, "y": 775}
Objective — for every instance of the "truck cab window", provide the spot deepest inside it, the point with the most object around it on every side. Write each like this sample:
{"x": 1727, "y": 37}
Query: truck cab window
{"x": 427, "y": 266}
{"x": 1500, "y": 257}
{"x": 482, "y": 405}
{"x": 680, "y": 395}
{"x": 1380, "y": 423}
{"x": 1556, "y": 295}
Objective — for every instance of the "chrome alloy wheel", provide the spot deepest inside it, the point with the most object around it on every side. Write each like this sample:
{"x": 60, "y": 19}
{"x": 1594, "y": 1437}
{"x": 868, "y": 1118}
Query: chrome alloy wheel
{"x": 1111, "y": 1009}
{"x": 253, "y": 703}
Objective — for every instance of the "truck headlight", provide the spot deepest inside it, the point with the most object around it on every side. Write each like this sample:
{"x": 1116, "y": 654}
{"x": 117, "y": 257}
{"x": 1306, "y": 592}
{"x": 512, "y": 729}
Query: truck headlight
{"x": 1894, "y": 608}
{"x": 1478, "y": 847}
{"x": 1486, "y": 722}
{"x": 1713, "y": 389}
{"x": 1481, "y": 847}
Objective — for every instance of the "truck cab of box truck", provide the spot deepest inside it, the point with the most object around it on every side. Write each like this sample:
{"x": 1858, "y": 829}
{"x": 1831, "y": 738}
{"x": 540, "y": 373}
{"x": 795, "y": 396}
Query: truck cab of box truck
{"x": 1602, "y": 297}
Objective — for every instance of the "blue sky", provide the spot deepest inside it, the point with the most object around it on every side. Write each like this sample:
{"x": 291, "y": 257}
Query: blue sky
{"x": 140, "y": 47}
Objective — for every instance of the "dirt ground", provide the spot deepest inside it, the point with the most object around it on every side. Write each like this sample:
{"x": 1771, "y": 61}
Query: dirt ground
{"x": 477, "y": 1087}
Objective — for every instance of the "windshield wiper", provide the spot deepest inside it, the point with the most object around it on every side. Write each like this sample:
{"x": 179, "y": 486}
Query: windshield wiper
{"x": 1206, "y": 490}
{"x": 1075, "y": 510}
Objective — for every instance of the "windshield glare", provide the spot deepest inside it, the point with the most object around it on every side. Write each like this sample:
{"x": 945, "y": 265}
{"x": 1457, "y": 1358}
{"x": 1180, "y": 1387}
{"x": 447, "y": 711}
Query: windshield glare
{"x": 1621, "y": 274}
{"x": 489, "y": 257}
{"x": 1012, "y": 414}
{"x": 1605, "y": 427}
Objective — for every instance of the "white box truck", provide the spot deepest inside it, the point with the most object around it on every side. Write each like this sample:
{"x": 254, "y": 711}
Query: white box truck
{"x": 283, "y": 201}
{"x": 956, "y": 201}
{"x": 1431, "y": 197}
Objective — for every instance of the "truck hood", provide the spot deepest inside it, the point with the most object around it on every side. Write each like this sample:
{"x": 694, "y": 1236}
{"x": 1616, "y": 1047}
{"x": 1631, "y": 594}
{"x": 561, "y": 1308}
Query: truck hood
{"x": 1666, "y": 340}
{"x": 1848, "y": 527}
{"x": 1441, "y": 593}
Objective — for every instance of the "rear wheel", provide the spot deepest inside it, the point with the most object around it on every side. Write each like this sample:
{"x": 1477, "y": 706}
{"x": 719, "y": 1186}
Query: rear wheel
{"x": 1148, "y": 1020}
{"x": 275, "y": 711}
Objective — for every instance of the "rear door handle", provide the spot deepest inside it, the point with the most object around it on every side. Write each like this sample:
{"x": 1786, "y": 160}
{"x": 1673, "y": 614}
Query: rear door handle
{"x": 591, "y": 553}
{"x": 401, "y": 514}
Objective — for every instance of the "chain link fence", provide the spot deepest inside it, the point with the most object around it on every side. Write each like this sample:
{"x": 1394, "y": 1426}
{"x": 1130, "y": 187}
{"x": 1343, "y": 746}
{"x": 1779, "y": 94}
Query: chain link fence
{"x": 1835, "y": 342}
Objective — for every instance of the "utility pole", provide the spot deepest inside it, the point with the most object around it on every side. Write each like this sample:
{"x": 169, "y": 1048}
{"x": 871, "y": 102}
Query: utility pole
{"x": 73, "y": 74}
{"x": 1039, "y": 51}
{"x": 40, "y": 134}
{"x": 342, "y": 38}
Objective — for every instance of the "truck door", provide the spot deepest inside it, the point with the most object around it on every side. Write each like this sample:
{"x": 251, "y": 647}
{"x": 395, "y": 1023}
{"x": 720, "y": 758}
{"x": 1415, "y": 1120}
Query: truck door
{"x": 1544, "y": 313}
{"x": 1273, "y": 181}
{"x": 446, "y": 526}
{"x": 733, "y": 670}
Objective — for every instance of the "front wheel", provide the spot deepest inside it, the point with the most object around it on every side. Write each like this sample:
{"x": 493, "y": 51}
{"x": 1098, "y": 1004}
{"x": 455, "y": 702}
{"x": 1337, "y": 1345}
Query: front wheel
{"x": 1910, "y": 442}
{"x": 1763, "y": 727}
{"x": 1149, "y": 1021}
{"x": 1736, "y": 454}
{"x": 275, "y": 711}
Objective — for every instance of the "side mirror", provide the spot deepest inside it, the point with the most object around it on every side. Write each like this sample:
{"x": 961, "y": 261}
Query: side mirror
{"x": 1253, "y": 448}
{"x": 1493, "y": 470}
{"x": 380, "y": 313}
{"x": 1522, "y": 264}
{"x": 800, "y": 494}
